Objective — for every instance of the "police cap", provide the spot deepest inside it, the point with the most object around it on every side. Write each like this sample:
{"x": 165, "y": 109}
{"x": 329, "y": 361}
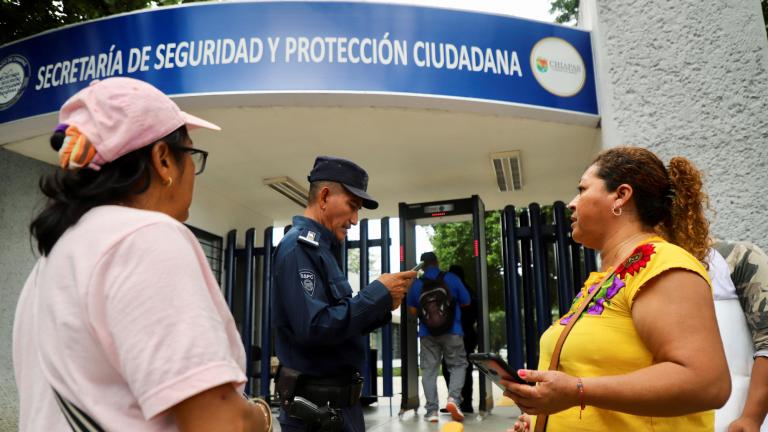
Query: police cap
{"x": 349, "y": 174}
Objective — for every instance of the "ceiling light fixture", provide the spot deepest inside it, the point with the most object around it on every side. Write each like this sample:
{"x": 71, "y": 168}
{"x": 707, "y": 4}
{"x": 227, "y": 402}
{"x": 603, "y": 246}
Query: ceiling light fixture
{"x": 508, "y": 170}
{"x": 289, "y": 188}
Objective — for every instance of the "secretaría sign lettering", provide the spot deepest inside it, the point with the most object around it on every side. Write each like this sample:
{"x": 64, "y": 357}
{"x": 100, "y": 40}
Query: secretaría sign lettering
{"x": 298, "y": 46}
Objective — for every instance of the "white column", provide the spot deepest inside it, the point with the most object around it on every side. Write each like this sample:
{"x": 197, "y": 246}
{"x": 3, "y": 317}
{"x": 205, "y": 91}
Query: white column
{"x": 690, "y": 78}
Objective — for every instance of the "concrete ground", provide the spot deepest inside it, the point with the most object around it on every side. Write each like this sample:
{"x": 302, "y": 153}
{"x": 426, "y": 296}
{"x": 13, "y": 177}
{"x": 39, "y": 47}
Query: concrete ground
{"x": 378, "y": 419}
{"x": 383, "y": 415}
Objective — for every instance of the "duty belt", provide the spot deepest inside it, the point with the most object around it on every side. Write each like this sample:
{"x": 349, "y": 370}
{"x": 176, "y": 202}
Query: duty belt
{"x": 336, "y": 392}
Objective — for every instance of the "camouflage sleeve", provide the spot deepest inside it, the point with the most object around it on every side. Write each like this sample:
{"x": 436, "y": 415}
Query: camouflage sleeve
{"x": 749, "y": 271}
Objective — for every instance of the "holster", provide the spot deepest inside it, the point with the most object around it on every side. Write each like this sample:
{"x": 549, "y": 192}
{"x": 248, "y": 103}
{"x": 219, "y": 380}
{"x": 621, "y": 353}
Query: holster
{"x": 317, "y": 414}
{"x": 321, "y": 419}
{"x": 285, "y": 385}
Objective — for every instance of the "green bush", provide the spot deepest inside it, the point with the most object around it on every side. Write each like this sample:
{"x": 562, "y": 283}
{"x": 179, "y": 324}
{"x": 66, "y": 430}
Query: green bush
{"x": 497, "y": 328}
{"x": 395, "y": 372}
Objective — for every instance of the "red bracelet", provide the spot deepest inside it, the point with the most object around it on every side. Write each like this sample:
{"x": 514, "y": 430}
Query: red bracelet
{"x": 580, "y": 388}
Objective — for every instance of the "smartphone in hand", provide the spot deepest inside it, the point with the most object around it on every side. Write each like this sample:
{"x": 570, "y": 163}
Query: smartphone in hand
{"x": 495, "y": 368}
{"x": 418, "y": 267}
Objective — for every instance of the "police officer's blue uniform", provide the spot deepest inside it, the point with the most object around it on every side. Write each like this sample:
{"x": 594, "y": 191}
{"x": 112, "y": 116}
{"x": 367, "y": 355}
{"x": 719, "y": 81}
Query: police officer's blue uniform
{"x": 319, "y": 326}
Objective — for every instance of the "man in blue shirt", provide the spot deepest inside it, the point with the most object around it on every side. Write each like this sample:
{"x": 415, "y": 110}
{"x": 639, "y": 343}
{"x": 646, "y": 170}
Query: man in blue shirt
{"x": 319, "y": 326}
{"x": 437, "y": 344}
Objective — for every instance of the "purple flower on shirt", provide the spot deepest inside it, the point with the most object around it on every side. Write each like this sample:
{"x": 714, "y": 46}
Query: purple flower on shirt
{"x": 596, "y": 307}
{"x": 599, "y": 302}
{"x": 612, "y": 290}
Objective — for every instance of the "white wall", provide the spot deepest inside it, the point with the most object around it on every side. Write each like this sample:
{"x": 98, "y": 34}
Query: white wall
{"x": 216, "y": 214}
{"x": 690, "y": 78}
{"x": 19, "y": 198}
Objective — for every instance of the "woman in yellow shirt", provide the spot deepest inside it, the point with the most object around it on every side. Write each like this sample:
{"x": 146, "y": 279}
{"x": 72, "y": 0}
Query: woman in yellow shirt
{"x": 645, "y": 354}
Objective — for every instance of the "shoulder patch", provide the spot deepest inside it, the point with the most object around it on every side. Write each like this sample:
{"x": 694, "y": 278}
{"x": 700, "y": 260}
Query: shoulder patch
{"x": 310, "y": 238}
{"x": 307, "y": 281}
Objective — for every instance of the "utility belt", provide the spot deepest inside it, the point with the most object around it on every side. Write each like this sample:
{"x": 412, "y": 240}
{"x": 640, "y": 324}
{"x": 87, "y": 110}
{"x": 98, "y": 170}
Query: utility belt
{"x": 340, "y": 392}
{"x": 317, "y": 401}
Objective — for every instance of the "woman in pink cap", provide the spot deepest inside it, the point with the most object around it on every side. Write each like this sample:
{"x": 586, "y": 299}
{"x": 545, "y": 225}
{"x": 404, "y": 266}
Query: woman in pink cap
{"x": 121, "y": 326}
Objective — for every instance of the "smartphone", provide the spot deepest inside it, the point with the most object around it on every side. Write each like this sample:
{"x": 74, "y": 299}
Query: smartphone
{"x": 418, "y": 267}
{"x": 493, "y": 366}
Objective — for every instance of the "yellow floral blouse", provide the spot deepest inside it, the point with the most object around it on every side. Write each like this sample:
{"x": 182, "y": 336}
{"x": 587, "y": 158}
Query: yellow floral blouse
{"x": 604, "y": 340}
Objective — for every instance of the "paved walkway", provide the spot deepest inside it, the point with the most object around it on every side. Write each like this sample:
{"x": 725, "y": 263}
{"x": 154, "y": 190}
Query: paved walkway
{"x": 383, "y": 415}
{"x": 377, "y": 419}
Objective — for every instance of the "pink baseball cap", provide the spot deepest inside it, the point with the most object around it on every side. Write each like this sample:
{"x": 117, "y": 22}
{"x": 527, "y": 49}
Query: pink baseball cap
{"x": 119, "y": 115}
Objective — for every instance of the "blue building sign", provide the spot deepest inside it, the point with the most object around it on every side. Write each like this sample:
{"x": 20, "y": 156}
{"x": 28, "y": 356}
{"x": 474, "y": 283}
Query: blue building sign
{"x": 286, "y": 47}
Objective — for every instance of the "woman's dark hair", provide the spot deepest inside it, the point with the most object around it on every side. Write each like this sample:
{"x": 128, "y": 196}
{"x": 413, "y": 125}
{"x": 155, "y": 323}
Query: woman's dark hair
{"x": 670, "y": 199}
{"x": 71, "y": 194}
{"x": 457, "y": 270}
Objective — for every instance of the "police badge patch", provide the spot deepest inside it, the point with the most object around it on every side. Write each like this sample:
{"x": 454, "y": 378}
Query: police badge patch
{"x": 307, "y": 280}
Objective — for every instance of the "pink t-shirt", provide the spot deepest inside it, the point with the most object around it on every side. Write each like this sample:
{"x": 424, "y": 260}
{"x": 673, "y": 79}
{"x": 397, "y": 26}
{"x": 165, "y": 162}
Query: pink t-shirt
{"x": 125, "y": 320}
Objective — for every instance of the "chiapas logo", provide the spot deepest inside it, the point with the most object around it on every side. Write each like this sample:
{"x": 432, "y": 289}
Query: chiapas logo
{"x": 542, "y": 64}
{"x": 558, "y": 67}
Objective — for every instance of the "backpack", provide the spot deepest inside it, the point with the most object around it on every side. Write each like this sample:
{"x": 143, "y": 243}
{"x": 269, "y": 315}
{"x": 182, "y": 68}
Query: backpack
{"x": 437, "y": 306}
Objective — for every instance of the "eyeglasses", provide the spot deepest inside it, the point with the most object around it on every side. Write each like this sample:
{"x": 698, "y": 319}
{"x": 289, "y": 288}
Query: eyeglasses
{"x": 199, "y": 157}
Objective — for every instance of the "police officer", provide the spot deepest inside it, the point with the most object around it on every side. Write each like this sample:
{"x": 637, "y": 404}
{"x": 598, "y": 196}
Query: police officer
{"x": 319, "y": 325}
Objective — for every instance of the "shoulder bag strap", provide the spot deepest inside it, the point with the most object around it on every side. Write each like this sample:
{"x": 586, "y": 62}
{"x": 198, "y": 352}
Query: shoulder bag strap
{"x": 78, "y": 420}
{"x": 541, "y": 420}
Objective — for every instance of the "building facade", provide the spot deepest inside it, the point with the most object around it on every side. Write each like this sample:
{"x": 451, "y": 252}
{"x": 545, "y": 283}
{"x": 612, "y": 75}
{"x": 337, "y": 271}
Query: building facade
{"x": 680, "y": 78}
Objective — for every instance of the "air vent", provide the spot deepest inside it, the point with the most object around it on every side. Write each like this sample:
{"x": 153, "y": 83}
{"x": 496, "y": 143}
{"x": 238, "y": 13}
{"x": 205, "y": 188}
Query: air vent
{"x": 508, "y": 171}
{"x": 289, "y": 188}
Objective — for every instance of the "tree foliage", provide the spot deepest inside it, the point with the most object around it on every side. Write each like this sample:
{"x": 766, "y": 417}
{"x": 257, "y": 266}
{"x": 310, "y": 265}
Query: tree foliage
{"x": 22, "y": 18}
{"x": 567, "y": 10}
{"x": 374, "y": 261}
{"x": 454, "y": 244}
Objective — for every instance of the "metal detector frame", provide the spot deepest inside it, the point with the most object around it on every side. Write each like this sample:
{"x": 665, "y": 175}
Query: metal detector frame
{"x": 441, "y": 212}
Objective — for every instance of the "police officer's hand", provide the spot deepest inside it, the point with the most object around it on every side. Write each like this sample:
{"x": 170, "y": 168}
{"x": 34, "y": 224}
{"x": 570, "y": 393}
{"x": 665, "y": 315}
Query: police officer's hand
{"x": 397, "y": 284}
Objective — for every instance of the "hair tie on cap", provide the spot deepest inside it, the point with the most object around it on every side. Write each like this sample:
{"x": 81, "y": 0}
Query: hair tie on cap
{"x": 62, "y": 127}
{"x": 76, "y": 152}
